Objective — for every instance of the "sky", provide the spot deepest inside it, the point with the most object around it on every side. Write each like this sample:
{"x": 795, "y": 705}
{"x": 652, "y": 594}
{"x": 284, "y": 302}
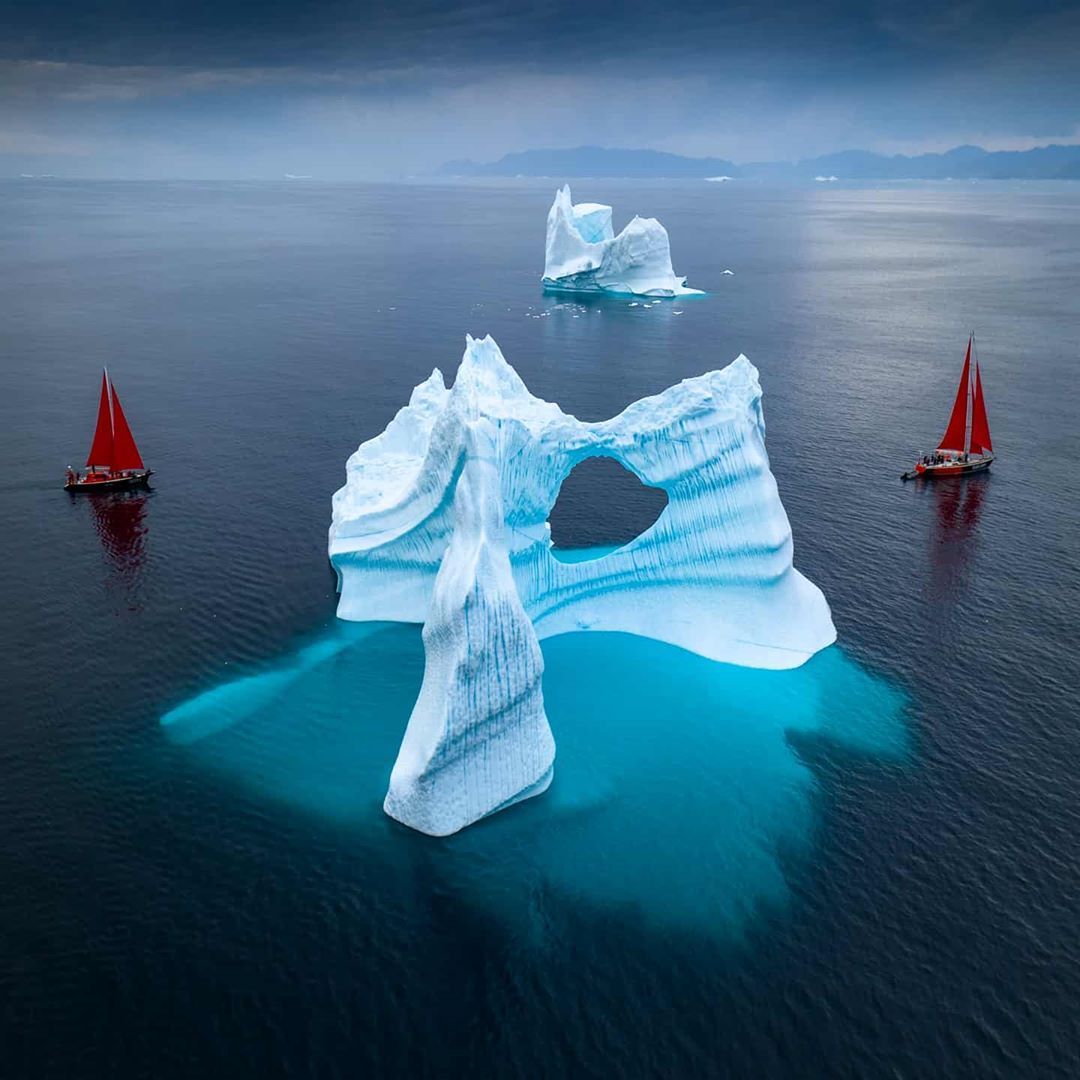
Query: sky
{"x": 347, "y": 89}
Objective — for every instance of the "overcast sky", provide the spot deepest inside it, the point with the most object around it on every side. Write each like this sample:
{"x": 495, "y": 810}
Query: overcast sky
{"x": 344, "y": 89}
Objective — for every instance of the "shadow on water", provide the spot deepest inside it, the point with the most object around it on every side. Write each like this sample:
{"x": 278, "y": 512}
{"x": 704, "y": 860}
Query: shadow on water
{"x": 676, "y": 787}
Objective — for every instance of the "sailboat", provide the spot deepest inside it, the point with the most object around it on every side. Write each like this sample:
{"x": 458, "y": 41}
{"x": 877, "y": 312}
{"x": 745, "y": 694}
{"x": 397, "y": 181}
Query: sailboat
{"x": 114, "y": 460}
{"x": 963, "y": 450}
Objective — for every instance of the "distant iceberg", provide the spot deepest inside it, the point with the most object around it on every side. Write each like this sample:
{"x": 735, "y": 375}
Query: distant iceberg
{"x": 443, "y": 521}
{"x": 583, "y": 253}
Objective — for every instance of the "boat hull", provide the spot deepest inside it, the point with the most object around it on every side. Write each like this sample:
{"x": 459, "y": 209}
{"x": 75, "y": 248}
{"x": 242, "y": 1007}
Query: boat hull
{"x": 949, "y": 469}
{"x": 88, "y": 483}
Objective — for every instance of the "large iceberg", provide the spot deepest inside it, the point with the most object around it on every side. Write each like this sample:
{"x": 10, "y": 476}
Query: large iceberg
{"x": 443, "y": 521}
{"x": 583, "y": 253}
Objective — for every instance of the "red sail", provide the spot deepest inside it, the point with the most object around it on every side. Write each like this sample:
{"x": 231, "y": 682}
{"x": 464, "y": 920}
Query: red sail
{"x": 101, "y": 449}
{"x": 980, "y": 426}
{"x": 125, "y": 452}
{"x": 956, "y": 433}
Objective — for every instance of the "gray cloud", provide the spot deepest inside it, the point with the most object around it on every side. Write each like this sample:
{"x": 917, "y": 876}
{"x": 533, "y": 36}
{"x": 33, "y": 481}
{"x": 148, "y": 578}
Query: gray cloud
{"x": 353, "y": 89}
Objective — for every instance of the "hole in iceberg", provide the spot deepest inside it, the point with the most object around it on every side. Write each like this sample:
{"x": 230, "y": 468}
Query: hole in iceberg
{"x": 601, "y": 506}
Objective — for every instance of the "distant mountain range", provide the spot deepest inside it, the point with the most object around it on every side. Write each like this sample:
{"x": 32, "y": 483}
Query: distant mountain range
{"x": 962, "y": 163}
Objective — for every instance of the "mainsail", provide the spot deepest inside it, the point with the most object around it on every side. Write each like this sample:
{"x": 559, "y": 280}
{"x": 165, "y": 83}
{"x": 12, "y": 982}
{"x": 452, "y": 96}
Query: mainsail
{"x": 956, "y": 433}
{"x": 114, "y": 446}
{"x": 101, "y": 449}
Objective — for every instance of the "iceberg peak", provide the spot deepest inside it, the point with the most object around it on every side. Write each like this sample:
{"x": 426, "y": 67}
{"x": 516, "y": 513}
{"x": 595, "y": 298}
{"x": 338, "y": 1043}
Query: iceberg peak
{"x": 485, "y": 375}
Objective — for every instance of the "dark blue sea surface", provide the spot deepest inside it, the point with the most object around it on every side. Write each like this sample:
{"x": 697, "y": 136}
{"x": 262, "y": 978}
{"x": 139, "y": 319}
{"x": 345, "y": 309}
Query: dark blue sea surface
{"x": 865, "y": 867}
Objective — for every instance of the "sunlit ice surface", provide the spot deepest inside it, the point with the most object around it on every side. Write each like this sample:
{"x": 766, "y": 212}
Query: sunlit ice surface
{"x": 678, "y": 793}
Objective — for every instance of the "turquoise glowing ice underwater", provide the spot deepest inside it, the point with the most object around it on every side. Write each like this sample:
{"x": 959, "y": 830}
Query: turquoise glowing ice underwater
{"x": 676, "y": 787}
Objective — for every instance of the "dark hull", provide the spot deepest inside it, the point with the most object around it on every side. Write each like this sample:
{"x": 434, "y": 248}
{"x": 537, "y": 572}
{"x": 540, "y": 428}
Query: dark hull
{"x": 949, "y": 469}
{"x": 112, "y": 483}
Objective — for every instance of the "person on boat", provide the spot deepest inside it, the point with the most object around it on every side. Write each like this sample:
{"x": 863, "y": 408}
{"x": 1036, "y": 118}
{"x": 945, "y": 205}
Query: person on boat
{"x": 72, "y": 476}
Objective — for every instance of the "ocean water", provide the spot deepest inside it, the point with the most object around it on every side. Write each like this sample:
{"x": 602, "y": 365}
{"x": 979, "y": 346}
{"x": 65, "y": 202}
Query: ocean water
{"x": 868, "y": 866}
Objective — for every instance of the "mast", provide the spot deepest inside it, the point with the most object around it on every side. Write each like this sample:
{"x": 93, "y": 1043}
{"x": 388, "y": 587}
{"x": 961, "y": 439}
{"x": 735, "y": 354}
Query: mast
{"x": 101, "y": 449}
{"x": 125, "y": 452}
{"x": 980, "y": 426}
{"x": 955, "y": 437}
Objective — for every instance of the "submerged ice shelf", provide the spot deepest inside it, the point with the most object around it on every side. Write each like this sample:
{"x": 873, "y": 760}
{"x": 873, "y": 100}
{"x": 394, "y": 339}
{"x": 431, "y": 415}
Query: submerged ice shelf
{"x": 583, "y": 254}
{"x": 719, "y": 802}
{"x": 443, "y": 521}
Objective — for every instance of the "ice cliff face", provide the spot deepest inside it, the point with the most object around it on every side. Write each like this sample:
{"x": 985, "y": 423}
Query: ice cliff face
{"x": 584, "y": 255}
{"x": 443, "y": 520}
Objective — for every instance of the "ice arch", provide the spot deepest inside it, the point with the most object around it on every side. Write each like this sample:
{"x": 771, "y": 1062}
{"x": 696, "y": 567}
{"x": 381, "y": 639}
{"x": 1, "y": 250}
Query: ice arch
{"x": 443, "y": 521}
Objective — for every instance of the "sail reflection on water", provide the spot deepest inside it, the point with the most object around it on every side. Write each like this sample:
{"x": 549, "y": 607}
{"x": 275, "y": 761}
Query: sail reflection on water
{"x": 120, "y": 521}
{"x": 954, "y": 540}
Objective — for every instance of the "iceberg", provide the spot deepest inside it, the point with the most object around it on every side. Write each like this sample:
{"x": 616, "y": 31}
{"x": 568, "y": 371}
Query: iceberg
{"x": 443, "y": 521}
{"x": 583, "y": 254}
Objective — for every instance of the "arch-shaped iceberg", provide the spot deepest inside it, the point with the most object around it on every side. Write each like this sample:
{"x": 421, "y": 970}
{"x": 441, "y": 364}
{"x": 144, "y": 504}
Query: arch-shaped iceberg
{"x": 443, "y": 521}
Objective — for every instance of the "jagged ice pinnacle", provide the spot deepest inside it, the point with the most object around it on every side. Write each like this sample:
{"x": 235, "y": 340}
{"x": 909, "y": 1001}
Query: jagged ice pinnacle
{"x": 443, "y": 521}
